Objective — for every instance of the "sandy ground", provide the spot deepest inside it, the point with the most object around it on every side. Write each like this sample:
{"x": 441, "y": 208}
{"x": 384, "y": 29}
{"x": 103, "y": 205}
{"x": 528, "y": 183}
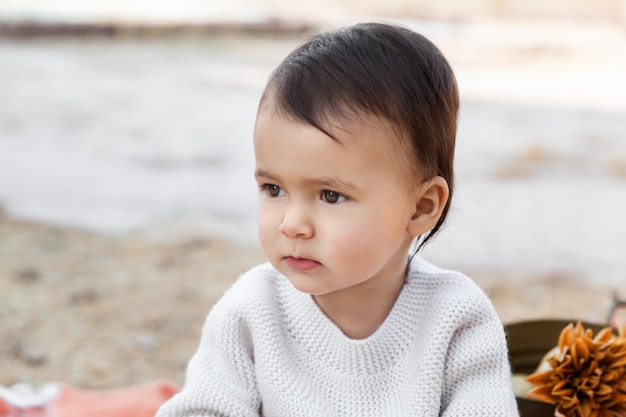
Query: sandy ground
{"x": 96, "y": 311}
{"x": 100, "y": 312}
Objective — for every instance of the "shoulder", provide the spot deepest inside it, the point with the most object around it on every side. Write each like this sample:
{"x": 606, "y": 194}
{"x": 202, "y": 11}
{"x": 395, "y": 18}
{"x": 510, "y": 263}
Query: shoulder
{"x": 254, "y": 288}
{"x": 426, "y": 275}
{"x": 246, "y": 309}
{"x": 450, "y": 293}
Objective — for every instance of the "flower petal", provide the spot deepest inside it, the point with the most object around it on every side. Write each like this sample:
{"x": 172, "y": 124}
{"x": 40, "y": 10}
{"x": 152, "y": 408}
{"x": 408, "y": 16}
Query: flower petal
{"x": 566, "y": 336}
{"x": 540, "y": 379}
{"x": 542, "y": 393}
{"x": 562, "y": 389}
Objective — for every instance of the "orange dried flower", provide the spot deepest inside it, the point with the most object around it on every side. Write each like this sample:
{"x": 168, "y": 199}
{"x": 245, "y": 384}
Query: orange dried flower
{"x": 586, "y": 376}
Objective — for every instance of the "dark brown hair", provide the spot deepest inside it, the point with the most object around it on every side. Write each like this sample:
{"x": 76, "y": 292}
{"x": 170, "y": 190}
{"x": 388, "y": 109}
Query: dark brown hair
{"x": 375, "y": 69}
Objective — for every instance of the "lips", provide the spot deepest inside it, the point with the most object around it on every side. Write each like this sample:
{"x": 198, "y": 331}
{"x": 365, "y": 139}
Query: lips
{"x": 301, "y": 264}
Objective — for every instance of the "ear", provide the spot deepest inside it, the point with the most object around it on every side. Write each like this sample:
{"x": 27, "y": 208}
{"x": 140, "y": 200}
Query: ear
{"x": 430, "y": 199}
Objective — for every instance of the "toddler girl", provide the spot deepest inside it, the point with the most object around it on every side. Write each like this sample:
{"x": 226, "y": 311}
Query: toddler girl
{"x": 354, "y": 146}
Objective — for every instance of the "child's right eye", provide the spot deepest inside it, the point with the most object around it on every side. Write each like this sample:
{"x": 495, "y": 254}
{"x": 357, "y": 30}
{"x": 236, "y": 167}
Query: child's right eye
{"x": 273, "y": 190}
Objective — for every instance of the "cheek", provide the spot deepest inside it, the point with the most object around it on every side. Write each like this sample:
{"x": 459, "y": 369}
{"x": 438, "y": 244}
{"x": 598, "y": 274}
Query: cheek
{"x": 266, "y": 225}
{"x": 357, "y": 254}
{"x": 364, "y": 240}
{"x": 354, "y": 241}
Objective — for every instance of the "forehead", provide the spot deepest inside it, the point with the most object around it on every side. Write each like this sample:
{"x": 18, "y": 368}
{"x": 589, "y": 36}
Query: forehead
{"x": 350, "y": 146}
{"x": 350, "y": 129}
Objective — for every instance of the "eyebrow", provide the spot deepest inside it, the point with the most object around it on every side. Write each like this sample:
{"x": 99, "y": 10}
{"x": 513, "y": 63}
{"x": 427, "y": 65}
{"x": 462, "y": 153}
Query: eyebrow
{"x": 332, "y": 183}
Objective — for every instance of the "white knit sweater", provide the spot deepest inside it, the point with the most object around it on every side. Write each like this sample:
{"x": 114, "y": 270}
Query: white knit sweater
{"x": 268, "y": 350}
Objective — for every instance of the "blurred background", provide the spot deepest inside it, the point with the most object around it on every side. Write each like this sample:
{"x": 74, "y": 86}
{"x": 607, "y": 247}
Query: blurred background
{"x": 127, "y": 198}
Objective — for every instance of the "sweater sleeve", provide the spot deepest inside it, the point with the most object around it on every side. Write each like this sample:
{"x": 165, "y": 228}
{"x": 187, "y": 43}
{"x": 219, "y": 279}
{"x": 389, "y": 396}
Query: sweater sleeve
{"x": 477, "y": 379}
{"x": 220, "y": 378}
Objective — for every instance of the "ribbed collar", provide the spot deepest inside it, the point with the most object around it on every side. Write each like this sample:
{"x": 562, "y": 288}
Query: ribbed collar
{"x": 312, "y": 331}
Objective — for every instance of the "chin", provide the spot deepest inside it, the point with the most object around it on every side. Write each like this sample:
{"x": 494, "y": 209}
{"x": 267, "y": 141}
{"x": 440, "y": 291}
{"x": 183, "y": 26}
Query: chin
{"x": 303, "y": 287}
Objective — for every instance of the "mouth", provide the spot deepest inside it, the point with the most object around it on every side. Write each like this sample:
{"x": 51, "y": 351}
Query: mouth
{"x": 301, "y": 264}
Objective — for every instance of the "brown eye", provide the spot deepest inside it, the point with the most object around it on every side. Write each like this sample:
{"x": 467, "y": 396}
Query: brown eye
{"x": 332, "y": 197}
{"x": 273, "y": 190}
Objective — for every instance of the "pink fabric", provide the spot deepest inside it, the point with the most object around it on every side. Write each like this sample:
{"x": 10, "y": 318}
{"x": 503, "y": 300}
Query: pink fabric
{"x": 139, "y": 401}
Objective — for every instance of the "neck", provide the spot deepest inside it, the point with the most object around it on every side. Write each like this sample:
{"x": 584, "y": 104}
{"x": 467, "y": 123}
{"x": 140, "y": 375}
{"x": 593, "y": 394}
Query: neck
{"x": 359, "y": 311}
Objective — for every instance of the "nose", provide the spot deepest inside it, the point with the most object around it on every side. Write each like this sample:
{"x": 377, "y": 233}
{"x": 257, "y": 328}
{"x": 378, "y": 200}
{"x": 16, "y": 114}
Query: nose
{"x": 297, "y": 222}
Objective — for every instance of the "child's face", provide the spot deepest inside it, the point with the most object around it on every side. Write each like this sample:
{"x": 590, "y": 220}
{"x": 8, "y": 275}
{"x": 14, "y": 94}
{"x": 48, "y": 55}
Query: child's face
{"x": 333, "y": 214}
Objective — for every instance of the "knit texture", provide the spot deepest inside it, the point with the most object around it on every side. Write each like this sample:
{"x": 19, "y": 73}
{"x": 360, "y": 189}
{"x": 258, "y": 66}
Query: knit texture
{"x": 268, "y": 350}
